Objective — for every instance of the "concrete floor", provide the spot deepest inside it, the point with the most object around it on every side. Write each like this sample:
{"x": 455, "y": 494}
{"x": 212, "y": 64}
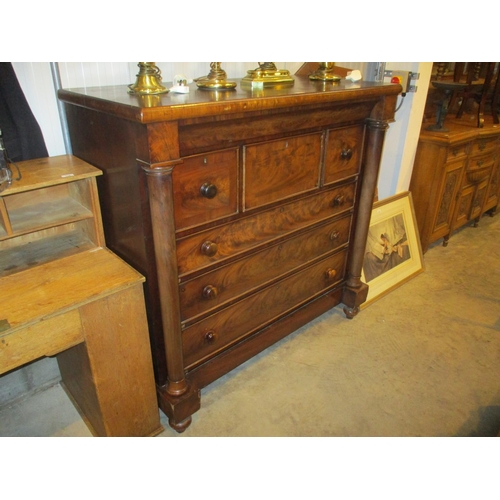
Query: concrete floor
{"x": 422, "y": 361}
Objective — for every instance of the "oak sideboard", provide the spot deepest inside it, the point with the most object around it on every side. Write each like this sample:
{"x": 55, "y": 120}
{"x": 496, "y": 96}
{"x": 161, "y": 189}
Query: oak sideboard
{"x": 246, "y": 210}
{"x": 456, "y": 177}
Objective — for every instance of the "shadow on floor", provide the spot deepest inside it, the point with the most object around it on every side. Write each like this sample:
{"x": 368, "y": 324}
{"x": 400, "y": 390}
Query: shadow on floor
{"x": 485, "y": 422}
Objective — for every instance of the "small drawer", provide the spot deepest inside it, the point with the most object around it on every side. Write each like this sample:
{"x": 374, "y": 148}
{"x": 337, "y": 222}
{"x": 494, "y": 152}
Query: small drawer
{"x": 344, "y": 148}
{"x": 478, "y": 169}
{"x": 205, "y": 188}
{"x": 484, "y": 144}
{"x": 276, "y": 170}
{"x": 207, "y": 247}
{"x": 458, "y": 151}
{"x": 479, "y": 162}
{"x": 221, "y": 330}
{"x": 225, "y": 284}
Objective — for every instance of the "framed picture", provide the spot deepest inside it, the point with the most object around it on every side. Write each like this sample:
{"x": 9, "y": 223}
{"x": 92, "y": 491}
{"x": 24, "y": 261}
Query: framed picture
{"x": 393, "y": 253}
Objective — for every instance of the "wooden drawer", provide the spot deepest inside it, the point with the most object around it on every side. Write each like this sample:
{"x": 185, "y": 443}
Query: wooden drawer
{"x": 484, "y": 144}
{"x": 478, "y": 170}
{"x": 214, "y": 245}
{"x": 276, "y": 170}
{"x": 344, "y": 148}
{"x": 457, "y": 151}
{"x": 217, "y": 332}
{"x": 205, "y": 188}
{"x": 479, "y": 162}
{"x": 226, "y": 284}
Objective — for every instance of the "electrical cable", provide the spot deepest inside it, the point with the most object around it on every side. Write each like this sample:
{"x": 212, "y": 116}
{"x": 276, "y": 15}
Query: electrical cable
{"x": 403, "y": 95}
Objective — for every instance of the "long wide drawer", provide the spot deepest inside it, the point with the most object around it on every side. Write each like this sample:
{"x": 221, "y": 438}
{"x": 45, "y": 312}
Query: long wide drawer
{"x": 215, "y": 288}
{"x": 221, "y": 330}
{"x": 214, "y": 245}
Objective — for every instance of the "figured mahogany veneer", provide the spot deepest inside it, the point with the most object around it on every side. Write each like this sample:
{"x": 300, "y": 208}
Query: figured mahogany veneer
{"x": 247, "y": 212}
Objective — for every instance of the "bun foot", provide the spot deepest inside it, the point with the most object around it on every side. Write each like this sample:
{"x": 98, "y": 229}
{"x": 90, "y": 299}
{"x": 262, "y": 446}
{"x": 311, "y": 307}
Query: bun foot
{"x": 350, "y": 312}
{"x": 181, "y": 426}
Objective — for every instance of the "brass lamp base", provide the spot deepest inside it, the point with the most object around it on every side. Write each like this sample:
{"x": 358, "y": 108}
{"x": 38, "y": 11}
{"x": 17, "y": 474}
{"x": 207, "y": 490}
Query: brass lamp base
{"x": 267, "y": 75}
{"x": 148, "y": 80}
{"x": 325, "y": 73}
{"x": 215, "y": 80}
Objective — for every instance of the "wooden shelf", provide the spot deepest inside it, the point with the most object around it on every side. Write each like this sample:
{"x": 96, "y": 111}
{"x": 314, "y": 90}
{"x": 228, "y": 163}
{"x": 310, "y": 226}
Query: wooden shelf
{"x": 26, "y": 252}
{"x": 52, "y": 212}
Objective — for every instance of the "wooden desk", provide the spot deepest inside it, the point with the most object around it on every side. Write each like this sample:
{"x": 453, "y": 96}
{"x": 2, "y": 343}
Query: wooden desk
{"x": 63, "y": 293}
{"x": 88, "y": 309}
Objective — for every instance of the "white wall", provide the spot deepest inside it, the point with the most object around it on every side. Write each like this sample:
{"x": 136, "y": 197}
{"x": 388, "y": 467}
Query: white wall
{"x": 401, "y": 139}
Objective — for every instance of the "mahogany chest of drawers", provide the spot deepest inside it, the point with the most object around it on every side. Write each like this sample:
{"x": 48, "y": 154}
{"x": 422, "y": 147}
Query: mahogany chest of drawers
{"x": 247, "y": 211}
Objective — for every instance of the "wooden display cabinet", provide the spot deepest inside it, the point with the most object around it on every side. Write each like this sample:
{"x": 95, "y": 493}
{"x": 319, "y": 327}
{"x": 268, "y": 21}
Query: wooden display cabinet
{"x": 456, "y": 178}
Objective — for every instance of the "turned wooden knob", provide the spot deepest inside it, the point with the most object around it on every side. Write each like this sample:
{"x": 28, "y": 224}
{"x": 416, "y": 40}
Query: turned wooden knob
{"x": 346, "y": 154}
{"x": 338, "y": 200}
{"x": 210, "y": 292}
{"x": 209, "y": 248}
{"x": 330, "y": 273}
{"x": 208, "y": 190}
{"x": 210, "y": 337}
{"x": 334, "y": 235}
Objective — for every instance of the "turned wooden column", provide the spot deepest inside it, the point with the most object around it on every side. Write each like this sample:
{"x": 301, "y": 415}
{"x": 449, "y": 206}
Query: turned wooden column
{"x": 177, "y": 399}
{"x": 356, "y": 291}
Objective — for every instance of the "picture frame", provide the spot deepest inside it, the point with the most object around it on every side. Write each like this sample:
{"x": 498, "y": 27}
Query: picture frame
{"x": 393, "y": 252}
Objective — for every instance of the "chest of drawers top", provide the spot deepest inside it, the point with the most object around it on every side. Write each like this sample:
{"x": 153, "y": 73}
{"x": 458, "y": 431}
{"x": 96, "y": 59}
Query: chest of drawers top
{"x": 199, "y": 104}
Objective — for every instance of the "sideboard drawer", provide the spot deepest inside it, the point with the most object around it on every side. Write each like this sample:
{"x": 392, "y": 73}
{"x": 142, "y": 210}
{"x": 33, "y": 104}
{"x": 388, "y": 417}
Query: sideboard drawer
{"x": 484, "y": 144}
{"x": 205, "y": 188}
{"x": 225, "y": 284}
{"x": 276, "y": 170}
{"x": 457, "y": 151}
{"x": 219, "y": 331}
{"x": 344, "y": 148}
{"x": 214, "y": 245}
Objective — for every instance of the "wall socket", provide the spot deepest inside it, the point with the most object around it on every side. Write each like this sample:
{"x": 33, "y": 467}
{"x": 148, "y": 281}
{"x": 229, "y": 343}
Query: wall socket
{"x": 404, "y": 78}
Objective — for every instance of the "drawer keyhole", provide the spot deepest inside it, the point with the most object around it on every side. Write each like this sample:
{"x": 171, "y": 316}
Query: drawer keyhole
{"x": 208, "y": 190}
{"x": 209, "y": 248}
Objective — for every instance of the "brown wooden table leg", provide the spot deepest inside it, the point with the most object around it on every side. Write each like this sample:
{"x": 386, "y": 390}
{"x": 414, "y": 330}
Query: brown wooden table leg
{"x": 109, "y": 377}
